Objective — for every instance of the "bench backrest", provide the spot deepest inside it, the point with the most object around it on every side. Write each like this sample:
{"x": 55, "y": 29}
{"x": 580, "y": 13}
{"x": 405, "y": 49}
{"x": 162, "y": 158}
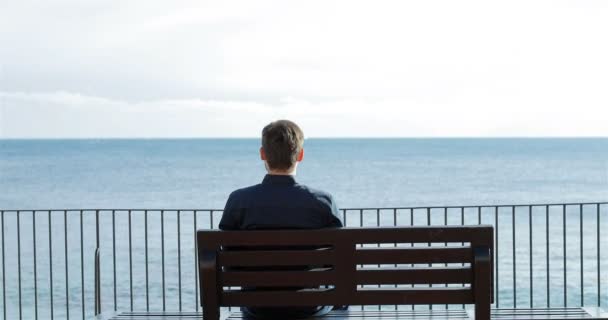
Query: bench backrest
{"x": 345, "y": 262}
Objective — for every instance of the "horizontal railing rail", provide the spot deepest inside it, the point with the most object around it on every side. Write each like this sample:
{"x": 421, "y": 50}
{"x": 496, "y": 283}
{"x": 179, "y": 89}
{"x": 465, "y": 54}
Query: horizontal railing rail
{"x": 342, "y": 209}
{"x": 62, "y": 263}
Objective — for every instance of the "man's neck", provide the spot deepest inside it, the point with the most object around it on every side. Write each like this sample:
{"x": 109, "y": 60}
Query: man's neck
{"x": 282, "y": 173}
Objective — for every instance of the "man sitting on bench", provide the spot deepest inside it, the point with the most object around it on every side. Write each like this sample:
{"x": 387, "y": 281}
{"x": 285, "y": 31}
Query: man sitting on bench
{"x": 279, "y": 202}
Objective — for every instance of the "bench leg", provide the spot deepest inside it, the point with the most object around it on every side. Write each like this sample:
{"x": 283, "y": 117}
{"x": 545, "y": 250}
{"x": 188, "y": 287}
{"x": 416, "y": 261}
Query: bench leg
{"x": 482, "y": 288}
{"x": 211, "y": 313}
{"x": 208, "y": 283}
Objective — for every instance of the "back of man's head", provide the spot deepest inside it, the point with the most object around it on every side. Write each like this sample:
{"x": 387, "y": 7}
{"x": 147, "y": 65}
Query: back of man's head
{"x": 282, "y": 142}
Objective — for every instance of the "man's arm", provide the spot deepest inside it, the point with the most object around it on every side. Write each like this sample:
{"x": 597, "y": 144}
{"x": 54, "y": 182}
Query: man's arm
{"x": 334, "y": 218}
{"x": 231, "y": 218}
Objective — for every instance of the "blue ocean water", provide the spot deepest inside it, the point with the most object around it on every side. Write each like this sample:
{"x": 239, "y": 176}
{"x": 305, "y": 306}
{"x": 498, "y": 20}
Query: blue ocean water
{"x": 200, "y": 173}
{"x": 360, "y": 173}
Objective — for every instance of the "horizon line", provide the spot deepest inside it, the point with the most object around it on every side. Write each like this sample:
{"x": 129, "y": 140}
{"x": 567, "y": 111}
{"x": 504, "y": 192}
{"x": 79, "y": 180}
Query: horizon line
{"x": 306, "y": 138}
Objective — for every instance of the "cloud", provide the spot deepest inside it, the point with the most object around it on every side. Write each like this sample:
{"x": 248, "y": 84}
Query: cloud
{"x": 65, "y": 114}
{"x": 390, "y": 68}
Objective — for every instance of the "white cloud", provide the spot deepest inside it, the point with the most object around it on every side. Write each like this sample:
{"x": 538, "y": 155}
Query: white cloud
{"x": 345, "y": 68}
{"x": 63, "y": 114}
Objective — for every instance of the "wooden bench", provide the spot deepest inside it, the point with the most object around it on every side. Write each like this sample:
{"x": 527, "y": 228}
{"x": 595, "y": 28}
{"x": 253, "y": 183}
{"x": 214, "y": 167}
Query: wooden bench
{"x": 387, "y": 258}
{"x": 345, "y": 259}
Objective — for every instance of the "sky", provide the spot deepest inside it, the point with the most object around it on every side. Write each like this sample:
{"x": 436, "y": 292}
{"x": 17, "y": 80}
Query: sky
{"x": 111, "y": 69}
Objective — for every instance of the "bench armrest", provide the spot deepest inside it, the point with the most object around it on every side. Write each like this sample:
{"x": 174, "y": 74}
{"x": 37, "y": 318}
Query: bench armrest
{"x": 482, "y": 279}
{"x": 207, "y": 261}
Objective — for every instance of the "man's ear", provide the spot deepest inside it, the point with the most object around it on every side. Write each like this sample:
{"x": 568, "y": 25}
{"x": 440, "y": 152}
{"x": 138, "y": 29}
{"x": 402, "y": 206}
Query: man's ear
{"x": 262, "y": 154}
{"x": 301, "y": 155}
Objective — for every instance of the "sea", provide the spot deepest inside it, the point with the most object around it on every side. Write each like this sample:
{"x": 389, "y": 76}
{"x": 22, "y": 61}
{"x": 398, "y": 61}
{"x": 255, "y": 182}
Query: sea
{"x": 370, "y": 173}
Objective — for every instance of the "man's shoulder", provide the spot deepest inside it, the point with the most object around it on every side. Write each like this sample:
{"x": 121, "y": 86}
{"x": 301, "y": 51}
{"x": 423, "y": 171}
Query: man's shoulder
{"x": 325, "y": 203}
{"x": 243, "y": 192}
{"x": 318, "y": 194}
{"x": 301, "y": 194}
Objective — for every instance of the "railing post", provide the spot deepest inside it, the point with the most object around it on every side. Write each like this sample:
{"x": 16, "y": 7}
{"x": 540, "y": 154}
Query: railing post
{"x": 97, "y": 267}
{"x": 97, "y": 283}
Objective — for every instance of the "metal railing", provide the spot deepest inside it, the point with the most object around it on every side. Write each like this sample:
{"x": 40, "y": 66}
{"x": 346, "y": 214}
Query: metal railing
{"x": 64, "y": 263}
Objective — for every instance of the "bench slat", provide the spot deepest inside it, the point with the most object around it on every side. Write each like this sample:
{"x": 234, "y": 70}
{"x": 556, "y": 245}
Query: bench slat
{"x": 430, "y": 234}
{"x": 278, "y": 279}
{"x": 277, "y": 258}
{"x": 404, "y": 255}
{"x": 363, "y": 296}
{"x": 317, "y": 237}
{"x": 436, "y": 295}
{"x": 429, "y": 275}
{"x": 277, "y": 298}
{"x": 326, "y": 237}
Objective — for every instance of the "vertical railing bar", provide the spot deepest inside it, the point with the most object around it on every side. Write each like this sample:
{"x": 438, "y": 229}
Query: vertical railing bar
{"x": 530, "y": 242}
{"x": 97, "y": 266}
{"x": 97, "y": 228}
{"x": 514, "y": 258}
{"x": 581, "y": 252}
{"x": 146, "y": 259}
{"x": 3, "y": 271}
{"x": 114, "y": 255}
{"x": 130, "y": 262}
{"x": 360, "y": 218}
{"x": 395, "y": 219}
{"x": 19, "y": 262}
{"x": 97, "y": 285}
{"x": 162, "y": 248}
{"x": 597, "y": 234}
{"x": 211, "y": 219}
{"x": 67, "y": 285}
{"x": 35, "y": 267}
{"x": 51, "y": 264}
{"x": 211, "y": 227}
{"x": 547, "y": 261}
{"x": 196, "y": 301}
{"x": 497, "y": 282}
{"x": 564, "y": 257}
{"x": 344, "y": 216}
{"x": 179, "y": 260}
{"x": 82, "y": 267}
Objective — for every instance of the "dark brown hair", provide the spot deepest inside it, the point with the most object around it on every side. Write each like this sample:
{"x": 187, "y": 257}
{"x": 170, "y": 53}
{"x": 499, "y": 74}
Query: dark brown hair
{"x": 282, "y": 141}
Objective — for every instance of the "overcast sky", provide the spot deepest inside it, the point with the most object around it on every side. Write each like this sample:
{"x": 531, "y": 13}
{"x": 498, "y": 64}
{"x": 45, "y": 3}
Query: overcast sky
{"x": 99, "y": 68}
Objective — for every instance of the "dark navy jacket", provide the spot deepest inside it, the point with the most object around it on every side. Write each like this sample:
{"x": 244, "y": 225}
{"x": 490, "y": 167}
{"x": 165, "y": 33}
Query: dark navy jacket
{"x": 279, "y": 202}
